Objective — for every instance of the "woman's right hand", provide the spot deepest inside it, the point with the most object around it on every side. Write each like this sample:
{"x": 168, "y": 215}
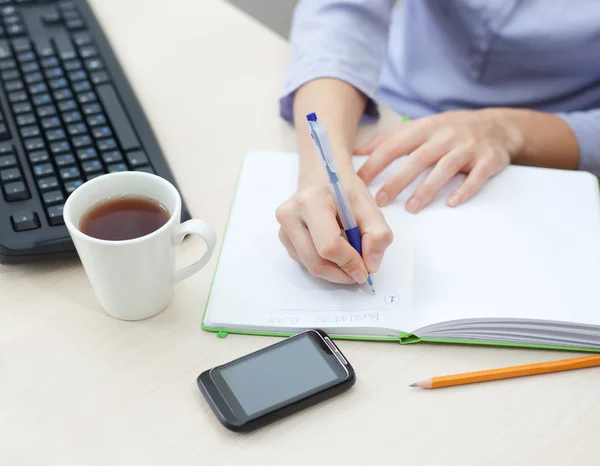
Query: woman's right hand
{"x": 312, "y": 235}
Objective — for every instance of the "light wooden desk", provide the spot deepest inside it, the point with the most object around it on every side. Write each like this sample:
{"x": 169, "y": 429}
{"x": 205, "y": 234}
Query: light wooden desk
{"x": 80, "y": 388}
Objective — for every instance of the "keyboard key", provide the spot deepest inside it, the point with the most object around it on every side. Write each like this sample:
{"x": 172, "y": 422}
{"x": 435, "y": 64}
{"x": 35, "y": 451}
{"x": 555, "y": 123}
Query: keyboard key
{"x": 86, "y": 97}
{"x": 58, "y": 83}
{"x": 67, "y": 6}
{"x": 55, "y": 134}
{"x": 55, "y": 215}
{"x": 8, "y": 10}
{"x": 21, "y": 45}
{"x": 76, "y": 129}
{"x": 88, "y": 153}
{"x": 64, "y": 47}
{"x": 6, "y": 148}
{"x": 30, "y": 131}
{"x": 5, "y": 51}
{"x": 7, "y": 64}
{"x": 92, "y": 166}
{"x": 117, "y": 167}
{"x": 46, "y": 184}
{"x": 106, "y": 144}
{"x": 7, "y": 161}
{"x": 32, "y": 78}
{"x": 93, "y": 64}
{"x": 30, "y": 67}
{"x": 10, "y": 74}
{"x": 38, "y": 156}
{"x": 83, "y": 141}
{"x": 70, "y": 15}
{"x": 15, "y": 85}
{"x": 15, "y": 30}
{"x": 46, "y": 110}
{"x": 64, "y": 160}
{"x": 59, "y": 147}
{"x": 43, "y": 170}
{"x": 10, "y": 174}
{"x": 99, "y": 77}
{"x": 22, "y": 107}
{"x": 75, "y": 25}
{"x": 50, "y": 122}
{"x": 26, "y": 119}
{"x": 25, "y": 220}
{"x": 67, "y": 105}
{"x": 69, "y": 173}
{"x": 37, "y": 88}
{"x": 42, "y": 99}
{"x": 82, "y": 38}
{"x": 51, "y": 17}
{"x": 10, "y": 20}
{"x": 72, "y": 65}
{"x": 93, "y": 175}
{"x": 62, "y": 94}
{"x": 71, "y": 117}
{"x": 42, "y": 46}
{"x": 16, "y": 192}
{"x": 71, "y": 186}
{"x": 112, "y": 156}
{"x": 82, "y": 86}
{"x": 26, "y": 56}
{"x": 55, "y": 72}
{"x": 90, "y": 109}
{"x": 88, "y": 52}
{"x": 34, "y": 144}
{"x": 75, "y": 76}
{"x": 4, "y": 134}
{"x": 50, "y": 62}
{"x": 120, "y": 122}
{"x": 137, "y": 158}
{"x": 101, "y": 132}
{"x": 18, "y": 96}
{"x": 96, "y": 120}
{"x": 53, "y": 197}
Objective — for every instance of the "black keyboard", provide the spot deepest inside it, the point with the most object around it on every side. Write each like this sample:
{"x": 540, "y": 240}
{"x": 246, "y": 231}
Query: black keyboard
{"x": 67, "y": 115}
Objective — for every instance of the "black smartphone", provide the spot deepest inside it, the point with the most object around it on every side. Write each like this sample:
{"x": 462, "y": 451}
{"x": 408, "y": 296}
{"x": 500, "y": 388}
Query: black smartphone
{"x": 277, "y": 381}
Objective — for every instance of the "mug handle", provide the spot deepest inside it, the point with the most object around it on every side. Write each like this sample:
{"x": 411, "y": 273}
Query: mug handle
{"x": 204, "y": 231}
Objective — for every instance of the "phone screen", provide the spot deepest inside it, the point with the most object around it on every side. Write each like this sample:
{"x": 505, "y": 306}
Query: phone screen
{"x": 287, "y": 371}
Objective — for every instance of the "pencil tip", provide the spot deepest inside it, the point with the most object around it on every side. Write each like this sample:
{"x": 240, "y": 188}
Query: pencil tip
{"x": 413, "y": 385}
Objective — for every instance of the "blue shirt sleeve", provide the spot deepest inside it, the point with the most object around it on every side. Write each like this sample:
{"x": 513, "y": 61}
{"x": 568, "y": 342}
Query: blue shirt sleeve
{"x": 342, "y": 39}
{"x": 586, "y": 127}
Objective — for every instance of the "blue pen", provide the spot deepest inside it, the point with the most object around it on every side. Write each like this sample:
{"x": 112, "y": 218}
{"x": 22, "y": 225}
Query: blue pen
{"x": 323, "y": 146}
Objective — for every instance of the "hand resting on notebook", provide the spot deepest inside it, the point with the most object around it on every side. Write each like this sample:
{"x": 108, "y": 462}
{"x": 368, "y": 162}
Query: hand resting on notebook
{"x": 479, "y": 143}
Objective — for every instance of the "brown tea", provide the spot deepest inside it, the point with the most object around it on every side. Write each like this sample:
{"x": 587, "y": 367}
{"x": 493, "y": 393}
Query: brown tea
{"x": 124, "y": 218}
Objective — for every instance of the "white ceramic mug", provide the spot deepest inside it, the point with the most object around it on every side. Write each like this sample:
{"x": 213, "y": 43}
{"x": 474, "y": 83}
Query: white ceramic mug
{"x": 133, "y": 279}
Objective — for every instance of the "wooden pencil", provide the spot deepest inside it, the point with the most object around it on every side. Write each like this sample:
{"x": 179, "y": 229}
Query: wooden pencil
{"x": 509, "y": 372}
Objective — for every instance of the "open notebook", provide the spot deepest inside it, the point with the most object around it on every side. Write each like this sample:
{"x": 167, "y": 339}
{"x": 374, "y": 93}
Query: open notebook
{"x": 519, "y": 264}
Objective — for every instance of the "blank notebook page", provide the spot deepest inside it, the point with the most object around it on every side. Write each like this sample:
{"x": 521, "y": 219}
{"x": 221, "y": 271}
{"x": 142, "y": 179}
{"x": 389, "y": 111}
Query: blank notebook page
{"x": 527, "y": 246}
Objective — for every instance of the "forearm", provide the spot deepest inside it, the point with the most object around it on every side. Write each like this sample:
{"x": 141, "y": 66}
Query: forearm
{"x": 339, "y": 106}
{"x": 543, "y": 139}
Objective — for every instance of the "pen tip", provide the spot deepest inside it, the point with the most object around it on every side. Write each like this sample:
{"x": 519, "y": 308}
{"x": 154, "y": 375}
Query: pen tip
{"x": 413, "y": 385}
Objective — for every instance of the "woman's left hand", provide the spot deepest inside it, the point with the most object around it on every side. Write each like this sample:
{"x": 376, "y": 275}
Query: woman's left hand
{"x": 477, "y": 142}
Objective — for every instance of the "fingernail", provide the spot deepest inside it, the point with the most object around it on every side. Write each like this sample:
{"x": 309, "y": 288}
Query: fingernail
{"x": 382, "y": 198}
{"x": 359, "y": 276}
{"x": 374, "y": 261}
{"x": 413, "y": 205}
{"x": 453, "y": 200}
